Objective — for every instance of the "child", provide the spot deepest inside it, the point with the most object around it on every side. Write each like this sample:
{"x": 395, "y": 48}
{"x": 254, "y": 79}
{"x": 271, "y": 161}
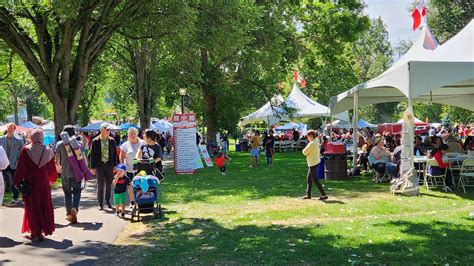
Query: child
{"x": 221, "y": 161}
{"x": 121, "y": 185}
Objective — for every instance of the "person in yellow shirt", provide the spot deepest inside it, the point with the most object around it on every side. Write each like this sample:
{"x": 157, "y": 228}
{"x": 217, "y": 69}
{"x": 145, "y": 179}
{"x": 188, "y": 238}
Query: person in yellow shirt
{"x": 313, "y": 158}
{"x": 255, "y": 149}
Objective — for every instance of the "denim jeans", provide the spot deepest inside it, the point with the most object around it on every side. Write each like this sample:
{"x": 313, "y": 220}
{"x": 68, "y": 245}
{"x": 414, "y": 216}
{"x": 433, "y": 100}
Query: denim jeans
{"x": 269, "y": 155}
{"x": 72, "y": 193}
{"x": 392, "y": 170}
{"x": 8, "y": 175}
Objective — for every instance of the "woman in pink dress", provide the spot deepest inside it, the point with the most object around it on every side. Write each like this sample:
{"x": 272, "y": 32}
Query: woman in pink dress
{"x": 36, "y": 166}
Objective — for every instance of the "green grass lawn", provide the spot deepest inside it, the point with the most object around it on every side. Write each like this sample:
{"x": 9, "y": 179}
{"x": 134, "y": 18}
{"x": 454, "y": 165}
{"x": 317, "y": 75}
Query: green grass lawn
{"x": 253, "y": 216}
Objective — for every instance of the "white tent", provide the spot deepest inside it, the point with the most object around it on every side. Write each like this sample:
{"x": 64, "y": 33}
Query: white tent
{"x": 163, "y": 125}
{"x": 266, "y": 113}
{"x": 304, "y": 108}
{"x": 307, "y": 108}
{"x": 425, "y": 73}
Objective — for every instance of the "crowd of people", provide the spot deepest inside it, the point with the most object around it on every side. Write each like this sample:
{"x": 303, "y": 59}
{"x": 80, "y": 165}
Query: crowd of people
{"x": 382, "y": 152}
{"x": 30, "y": 168}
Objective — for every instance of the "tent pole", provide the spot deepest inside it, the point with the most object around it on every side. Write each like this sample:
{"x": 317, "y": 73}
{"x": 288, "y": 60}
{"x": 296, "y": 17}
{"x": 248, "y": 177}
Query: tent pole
{"x": 355, "y": 133}
{"x": 330, "y": 125}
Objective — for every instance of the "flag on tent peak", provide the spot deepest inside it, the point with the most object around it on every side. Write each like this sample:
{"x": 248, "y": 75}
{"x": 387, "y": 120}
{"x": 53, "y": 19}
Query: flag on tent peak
{"x": 430, "y": 41}
{"x": 419, "y": 14}
{"x": 299, "y": 79}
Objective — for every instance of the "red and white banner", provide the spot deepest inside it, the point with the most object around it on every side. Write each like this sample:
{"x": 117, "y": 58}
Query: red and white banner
{"x": 184, "y": 136}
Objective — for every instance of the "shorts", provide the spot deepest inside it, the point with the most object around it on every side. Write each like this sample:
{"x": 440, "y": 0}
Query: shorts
{"x": 120, "y": 198}
{"x": 255, "y": 152}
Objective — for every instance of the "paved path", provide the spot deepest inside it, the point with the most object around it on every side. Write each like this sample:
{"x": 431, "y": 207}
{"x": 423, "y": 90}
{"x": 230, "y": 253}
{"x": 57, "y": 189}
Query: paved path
{"x": 79, "y": 244}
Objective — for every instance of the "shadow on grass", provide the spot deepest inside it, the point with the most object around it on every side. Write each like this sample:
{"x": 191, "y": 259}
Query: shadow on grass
{"x": 286, "y": 178}
{"x": 204, "y": 241}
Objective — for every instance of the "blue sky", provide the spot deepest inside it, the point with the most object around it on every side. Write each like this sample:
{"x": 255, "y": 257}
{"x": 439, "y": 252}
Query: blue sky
{"x": 396, "y": 16}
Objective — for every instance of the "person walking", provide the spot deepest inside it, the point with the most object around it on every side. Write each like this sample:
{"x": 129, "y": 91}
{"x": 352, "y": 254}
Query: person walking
{"x": 313, "y": 158}
{"x": 72, "y": 188}
{"x": 269, "y": 143}
{"x": 129, "y": 150}
{"x": 36, "y": 167}
{"x": 4, "y": 162}
{"x": 103, "y": 161}
{"x": 255, "y": 149}
{"x": 151, "y": 152}
{"x": 12, "y": 146}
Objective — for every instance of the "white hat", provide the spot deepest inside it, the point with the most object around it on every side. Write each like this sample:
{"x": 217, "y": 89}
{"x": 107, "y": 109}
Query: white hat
{"x": 105, "y": 125}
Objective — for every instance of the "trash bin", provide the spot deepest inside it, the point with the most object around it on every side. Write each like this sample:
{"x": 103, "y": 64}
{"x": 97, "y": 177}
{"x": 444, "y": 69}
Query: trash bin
{"x": 335, "y": 163}
{"x": 244, "y": 146}
{"x": 237, "y": 147}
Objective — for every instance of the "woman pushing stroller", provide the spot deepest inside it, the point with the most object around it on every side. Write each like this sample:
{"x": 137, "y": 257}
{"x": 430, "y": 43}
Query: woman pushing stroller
{"x": 152, "y": 153}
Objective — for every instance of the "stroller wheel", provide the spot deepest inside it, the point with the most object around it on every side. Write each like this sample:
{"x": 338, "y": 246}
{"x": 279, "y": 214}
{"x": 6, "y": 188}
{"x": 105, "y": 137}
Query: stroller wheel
{"x": 135, "y": 214}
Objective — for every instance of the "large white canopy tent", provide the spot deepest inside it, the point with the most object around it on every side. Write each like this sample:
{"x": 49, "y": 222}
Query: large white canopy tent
{"x": 426, "y": 72}
{"x": 442, "y": 75}
{"x": 304, "y": 108}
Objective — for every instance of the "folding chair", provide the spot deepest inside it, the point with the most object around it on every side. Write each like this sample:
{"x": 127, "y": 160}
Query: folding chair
{"x": 466, "y": 177}
{"x": 434, "y": 181}
{"x": 376, "y": 179}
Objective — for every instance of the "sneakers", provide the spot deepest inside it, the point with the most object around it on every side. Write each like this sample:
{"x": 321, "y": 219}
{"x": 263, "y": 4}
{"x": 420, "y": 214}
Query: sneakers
{"x": 306, "y": 197}
{"x": 223, "y": 173}
{"x": 14, "y": 201}
{"x": 73, "y": 214}
{"x": 101, "y": 207}
{"x": 323, "y": 198}
{"x": 117, "y": 213}
{"x": 109, "y": 205}
{"x": 122, "y": 214}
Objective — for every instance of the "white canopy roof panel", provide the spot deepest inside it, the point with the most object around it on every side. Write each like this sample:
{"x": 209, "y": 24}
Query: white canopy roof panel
{"x": 444, "y": 75}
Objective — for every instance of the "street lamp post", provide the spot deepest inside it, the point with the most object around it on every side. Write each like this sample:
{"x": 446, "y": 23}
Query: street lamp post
{"x": 182, "y": 92}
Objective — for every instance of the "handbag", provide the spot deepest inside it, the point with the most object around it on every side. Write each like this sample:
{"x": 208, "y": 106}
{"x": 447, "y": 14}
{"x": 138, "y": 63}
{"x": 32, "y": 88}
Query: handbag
{"x": 24, "y": 187}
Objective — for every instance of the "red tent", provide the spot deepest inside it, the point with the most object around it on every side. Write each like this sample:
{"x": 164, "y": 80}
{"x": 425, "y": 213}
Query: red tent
{"x": 396, "y": 128}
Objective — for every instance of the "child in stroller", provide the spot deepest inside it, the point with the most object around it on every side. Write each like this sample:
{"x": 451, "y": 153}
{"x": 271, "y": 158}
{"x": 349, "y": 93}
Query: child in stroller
{"x": 145, "y": 191}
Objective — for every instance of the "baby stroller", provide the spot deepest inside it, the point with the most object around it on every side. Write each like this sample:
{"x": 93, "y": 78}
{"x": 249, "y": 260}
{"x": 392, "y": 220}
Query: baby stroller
{"x": 145, "y": 191}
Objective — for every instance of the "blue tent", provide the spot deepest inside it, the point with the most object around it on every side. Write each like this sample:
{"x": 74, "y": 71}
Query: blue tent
{"x": 29, "y": 124}
{"x": 363, "y": 124}
{"x": 127, "y": 125}
{"x": 92, "y": 127}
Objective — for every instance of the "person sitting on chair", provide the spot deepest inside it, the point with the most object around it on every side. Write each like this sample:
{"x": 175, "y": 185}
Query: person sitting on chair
{"x": 381, "y": 156}
{"x": 442, "y": 166}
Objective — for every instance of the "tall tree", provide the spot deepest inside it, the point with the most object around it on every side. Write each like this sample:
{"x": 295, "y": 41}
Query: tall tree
{"x": 373, "y": 55}
{"x": 241, "y": 51}
{"x": 329, "y": 29}
{"x": 147, "y": 48}
{"x": 59, "y": 42}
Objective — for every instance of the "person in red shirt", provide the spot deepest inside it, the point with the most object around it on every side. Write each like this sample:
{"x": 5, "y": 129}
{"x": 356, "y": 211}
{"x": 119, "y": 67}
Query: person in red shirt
{"x": 442, "y": 166}
{"x": 221, "y": 161}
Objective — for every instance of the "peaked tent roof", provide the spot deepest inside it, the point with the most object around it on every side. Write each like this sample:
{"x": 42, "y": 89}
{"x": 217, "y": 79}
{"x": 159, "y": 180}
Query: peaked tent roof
{"x": 443, "y": 75}
{"x": 305, "y": 108}
{"x": 264, "y": 112}
{"x": 363, "y": 124}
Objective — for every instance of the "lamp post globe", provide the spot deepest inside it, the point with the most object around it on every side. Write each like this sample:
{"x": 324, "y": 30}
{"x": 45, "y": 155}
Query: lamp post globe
{"x": 182, "y": 93}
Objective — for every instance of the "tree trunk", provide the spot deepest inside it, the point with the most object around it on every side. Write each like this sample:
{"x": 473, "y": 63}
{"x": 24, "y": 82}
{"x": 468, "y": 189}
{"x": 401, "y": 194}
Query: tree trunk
{"x": 61, "y": 118}
{"x": 15, "y": 108}
{"x": 210, "y": 118}
{"x": 29, "y": 110}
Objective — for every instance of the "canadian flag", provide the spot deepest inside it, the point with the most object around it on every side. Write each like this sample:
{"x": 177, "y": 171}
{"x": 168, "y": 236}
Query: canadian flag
{"x": 419, "y": 15}
{"x": 299, "y": 79}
